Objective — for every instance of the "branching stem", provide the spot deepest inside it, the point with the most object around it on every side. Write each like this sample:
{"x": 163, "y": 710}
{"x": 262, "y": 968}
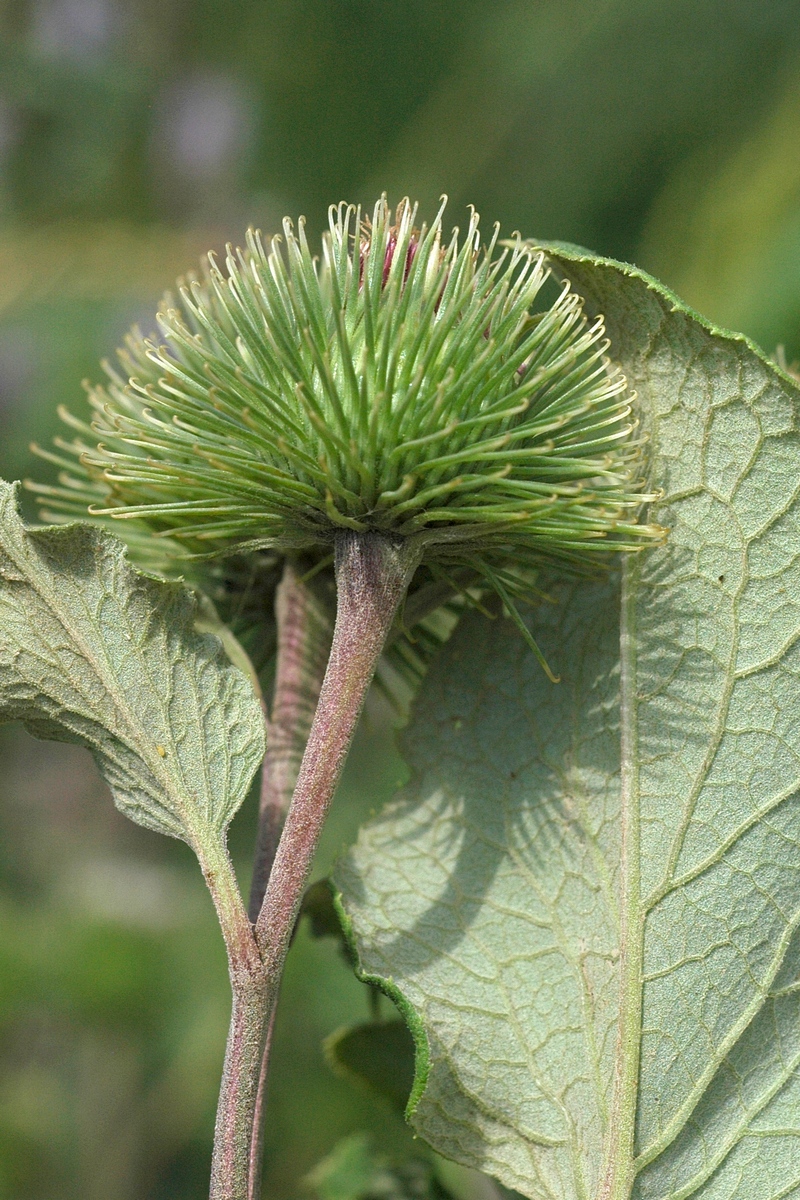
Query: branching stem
{"x": 304, "y": 631}
{"x": 372, "y": 575}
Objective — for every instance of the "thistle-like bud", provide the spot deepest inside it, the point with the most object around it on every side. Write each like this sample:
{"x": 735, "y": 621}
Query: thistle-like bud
{"x": 401, "y": 384}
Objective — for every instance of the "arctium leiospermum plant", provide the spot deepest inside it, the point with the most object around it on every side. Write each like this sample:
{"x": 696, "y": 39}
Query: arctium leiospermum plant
{"x": 584, "y": 904}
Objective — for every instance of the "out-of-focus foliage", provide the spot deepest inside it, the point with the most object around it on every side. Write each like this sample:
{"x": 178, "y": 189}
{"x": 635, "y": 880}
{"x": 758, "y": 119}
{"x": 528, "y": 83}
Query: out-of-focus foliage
{"x": 726, "y": 235}
{"x": 353, "y": 1171}
{"x": 114, "y": 997}
{"x": 135, "y": 134}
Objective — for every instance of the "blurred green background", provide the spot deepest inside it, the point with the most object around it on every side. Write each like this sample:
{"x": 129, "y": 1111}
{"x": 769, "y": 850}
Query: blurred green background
{"x": 135, "y": 134}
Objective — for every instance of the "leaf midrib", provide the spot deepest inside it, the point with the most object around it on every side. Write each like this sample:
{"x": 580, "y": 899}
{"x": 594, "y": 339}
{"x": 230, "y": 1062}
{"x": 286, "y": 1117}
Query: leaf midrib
{"x": 618, "y": 1173}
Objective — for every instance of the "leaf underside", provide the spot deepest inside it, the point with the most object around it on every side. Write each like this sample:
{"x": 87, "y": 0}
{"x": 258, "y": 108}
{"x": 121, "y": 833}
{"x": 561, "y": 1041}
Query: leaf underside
{"x": 92, "y": 651}
{"x": 493, "y": 899}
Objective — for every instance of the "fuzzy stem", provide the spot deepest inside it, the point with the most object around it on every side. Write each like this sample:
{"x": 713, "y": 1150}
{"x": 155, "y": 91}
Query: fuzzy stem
{"x": 244, "y": 959}
{"x": 304, "y": 639}
{"x": 257, "y": 1134}
{"x": 253, "y": 1001}
{"x": 372, "y": 575}
{"x": 239, "y": 1095}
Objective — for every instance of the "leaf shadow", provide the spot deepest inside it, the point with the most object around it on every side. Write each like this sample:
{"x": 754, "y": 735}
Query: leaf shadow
{"x": 503, "y": 764}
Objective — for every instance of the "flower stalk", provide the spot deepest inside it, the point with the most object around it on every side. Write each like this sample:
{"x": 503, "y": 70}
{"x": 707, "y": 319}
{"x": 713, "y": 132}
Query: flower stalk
{"x": 303, "y": 643}
{"x": 372, "y": 574}
{"x": 303, "y": 631}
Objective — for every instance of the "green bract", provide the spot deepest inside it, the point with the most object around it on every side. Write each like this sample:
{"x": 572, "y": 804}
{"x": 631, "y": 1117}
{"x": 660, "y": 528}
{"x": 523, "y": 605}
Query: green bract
{"x": 399, "y": 384}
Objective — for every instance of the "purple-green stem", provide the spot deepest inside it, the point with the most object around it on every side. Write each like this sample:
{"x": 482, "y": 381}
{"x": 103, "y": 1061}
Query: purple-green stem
{"x": 304, "y": 631}
{"x": 303, "y": 643}
{"x": 252, "y": 990}
{"x": 372, "y": 575}
{"x": 257, "y": 1132}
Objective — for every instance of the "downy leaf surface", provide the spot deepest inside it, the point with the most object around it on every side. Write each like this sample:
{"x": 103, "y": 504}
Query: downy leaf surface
{"x": 587, "y": 900}
{"x": 92, "y": 651}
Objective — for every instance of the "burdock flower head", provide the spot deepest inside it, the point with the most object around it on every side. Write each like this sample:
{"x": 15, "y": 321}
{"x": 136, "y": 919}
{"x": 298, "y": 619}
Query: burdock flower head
{"x": 401, "y": 385}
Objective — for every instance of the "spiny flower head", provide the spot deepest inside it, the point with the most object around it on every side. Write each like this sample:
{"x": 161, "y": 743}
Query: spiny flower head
{"x": 401, "y": 383}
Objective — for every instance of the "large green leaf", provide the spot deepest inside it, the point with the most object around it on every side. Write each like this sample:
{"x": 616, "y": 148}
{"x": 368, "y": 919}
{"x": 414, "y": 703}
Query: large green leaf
{"x": 92, "y": 651}
{"x": 588, "y": 899}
